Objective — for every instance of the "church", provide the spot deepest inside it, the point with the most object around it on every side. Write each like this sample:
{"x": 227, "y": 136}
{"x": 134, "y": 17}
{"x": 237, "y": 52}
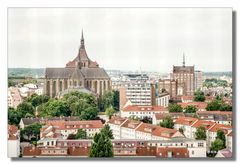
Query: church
{"x": 81, "y": 74}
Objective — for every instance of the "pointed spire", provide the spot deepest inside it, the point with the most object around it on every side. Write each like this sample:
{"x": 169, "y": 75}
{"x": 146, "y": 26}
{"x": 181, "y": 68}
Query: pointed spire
{"x": 183, "y": 59}
{"x": 82, "y": 40}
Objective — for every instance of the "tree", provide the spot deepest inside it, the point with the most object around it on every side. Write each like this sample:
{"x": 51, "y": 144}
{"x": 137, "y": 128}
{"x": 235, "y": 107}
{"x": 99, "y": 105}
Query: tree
{"x": 146, "y": 119}
{"x": 89, "y": 114}
{"x": 116, "y": 100}
{"x": 79, "y": 102}
{"x": 101, "y": 146}
{"x": 71, "y": 136}
{"x": 54, "y": 108}
{"x": 173, "y": 107}
{"x": 221, "y": 136}
{"x": 14, "y": 116}
{"x": 199, "y": 96}
{"x": 200, "y": 134}
{"x": 215, "y": 147}
{"x": 167, "y": 122}
{"x": 81, "y": 134}
{"x": 106, "y": 100}
{"x": 31, "y": 132}
{"x": 11, "y": 83}
{"x": 134, "y": 117}
{"x": 37, "y": 100}
{"x": 214, "y": 105}
{"x": 25, "y": 108}
{"x": 190, "y": 109}
{"x": 107, "y": 131}
{"x": 109, "y": 112}
{"x": 225, "y": 107}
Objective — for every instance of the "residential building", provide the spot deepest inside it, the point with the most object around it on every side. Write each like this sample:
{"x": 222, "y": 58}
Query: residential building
{"x": 142, "y": 111}
{"x": 163, "y": 99}
{"x": 175, "y": 148}
{"x": 158, "y": 117}
{"x": 56, "y": 129}
{"x": 14, "y": 97}
{"x": 13, "y": 141}
{"x": 198, "y": 75}
{"x": 201, "y": 106}
{"x": 167, "y": 85}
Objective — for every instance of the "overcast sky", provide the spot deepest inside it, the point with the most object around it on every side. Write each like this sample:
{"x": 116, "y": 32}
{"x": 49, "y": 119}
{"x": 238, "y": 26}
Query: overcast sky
{"x": 152, "y": 39}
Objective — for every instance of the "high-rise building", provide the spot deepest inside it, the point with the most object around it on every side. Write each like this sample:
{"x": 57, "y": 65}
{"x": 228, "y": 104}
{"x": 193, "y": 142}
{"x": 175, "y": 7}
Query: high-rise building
{"x": 167, "y": 85}
{"x": 184, "y": 77}
{"x": 80, "y": 74}
{"x": 137, "y": 90}
{"x": 198, "y": 80}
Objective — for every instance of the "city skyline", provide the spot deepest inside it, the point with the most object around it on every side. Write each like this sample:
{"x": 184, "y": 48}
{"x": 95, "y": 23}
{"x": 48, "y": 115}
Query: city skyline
{"x": 115, "y": 42}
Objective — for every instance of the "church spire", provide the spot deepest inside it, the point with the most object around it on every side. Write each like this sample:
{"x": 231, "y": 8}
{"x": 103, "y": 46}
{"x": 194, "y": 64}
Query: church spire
{"x": 82, "y": 40}
{"x": 183, "y": 59}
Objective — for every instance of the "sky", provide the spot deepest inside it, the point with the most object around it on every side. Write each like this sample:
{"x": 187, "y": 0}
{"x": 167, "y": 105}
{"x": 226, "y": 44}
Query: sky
{"x": 148, "y": 39}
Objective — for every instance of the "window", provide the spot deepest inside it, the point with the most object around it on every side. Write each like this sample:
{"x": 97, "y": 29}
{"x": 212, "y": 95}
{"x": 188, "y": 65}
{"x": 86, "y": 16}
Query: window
{"x": 200, "y": 145}
{"x": 192, "y": 152}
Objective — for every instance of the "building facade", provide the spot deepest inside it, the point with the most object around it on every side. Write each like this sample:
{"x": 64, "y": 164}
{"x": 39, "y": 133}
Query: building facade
{"x": 78, "y": 74}
{"x": 184, "y": 77}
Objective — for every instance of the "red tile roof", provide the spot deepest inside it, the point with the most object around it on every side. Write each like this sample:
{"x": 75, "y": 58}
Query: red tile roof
{"x": 117, "y": 120}
{"x": 12, "y": 132}
{"x": 204, "y": 123}
{"x": 160, "y": 116}
{"x": 156, "y": 130}
{"x": 225, "y": 128}
{"x": 31, "y": 151}
{"x": 187, "y": 98}
{"x": 131, "y": 108}
{"x": 215, "y": 112}
{"x": 186, "y": 121}
{"x": 199, "y": 105}
{"x": 132, "y": 124}
{"x": 85, "y": 124}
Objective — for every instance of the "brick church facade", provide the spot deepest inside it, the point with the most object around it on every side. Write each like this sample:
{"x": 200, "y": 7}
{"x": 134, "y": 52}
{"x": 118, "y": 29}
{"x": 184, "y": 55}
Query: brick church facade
{"x": 79, "y": 74}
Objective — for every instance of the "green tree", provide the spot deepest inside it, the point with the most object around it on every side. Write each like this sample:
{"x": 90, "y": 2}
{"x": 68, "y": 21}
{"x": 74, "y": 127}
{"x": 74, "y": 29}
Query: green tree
{"x": 221, "y": 136}
{"x": 116, "y": 100}
{"x": 173, "y": 107}
{"x": 101, "y": 146}
{"x": 31, "y": 132}
{"x": 81, "y": 134}
{"x": 109, "y": 112}
{"x": 106, "y": 100}
{"x": 214, "y": 105}
{"x": 89, "y": 114}
{"x": 54, "y": 108}
{"x": 79, "y": 102}
{"x": 25, "y": 108}
{"x": 14, "y": 116}
{"x": 199, "y": 96}
{"x": 215, "y": 147}
{"x": 37, "y": 100}
{"x": 200, "y": 134}
{"x": 146, "y": 119}
{"x": 167, "y": 122}
{"x": 107, "y": 131}
{"x": 134, "y": 117}
{"x": 225, "y": 107}
{"x": 71, "y": 136}
{"x": 11, "y": 83}
{"x": 190, "y": 109}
